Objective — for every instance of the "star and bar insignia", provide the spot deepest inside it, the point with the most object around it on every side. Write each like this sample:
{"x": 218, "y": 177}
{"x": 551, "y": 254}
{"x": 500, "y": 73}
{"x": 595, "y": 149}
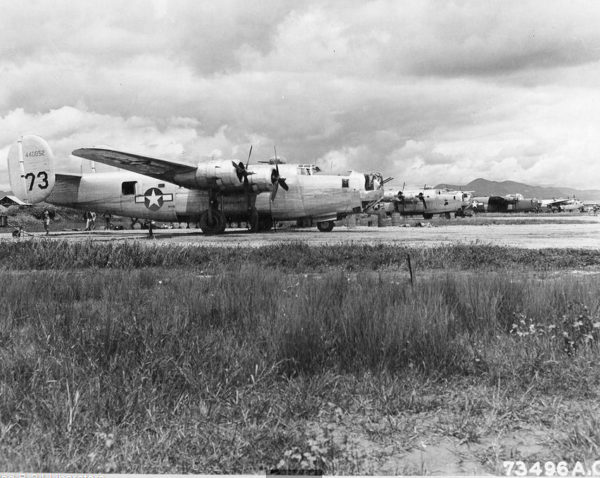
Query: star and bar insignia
{"x": 153, "y": 198}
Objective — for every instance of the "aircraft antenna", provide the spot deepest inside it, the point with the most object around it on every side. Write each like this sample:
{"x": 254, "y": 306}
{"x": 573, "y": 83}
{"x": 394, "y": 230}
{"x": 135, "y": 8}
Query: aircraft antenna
{"x": 21, "y": 160}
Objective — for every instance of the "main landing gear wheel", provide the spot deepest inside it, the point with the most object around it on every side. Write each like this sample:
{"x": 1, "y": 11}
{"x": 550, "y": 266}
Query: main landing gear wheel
{"x": 253, "y": 222}
{"x": 212, "y": 222}
{"x": 264, "y": 223}
{"x": 326, "y": 226}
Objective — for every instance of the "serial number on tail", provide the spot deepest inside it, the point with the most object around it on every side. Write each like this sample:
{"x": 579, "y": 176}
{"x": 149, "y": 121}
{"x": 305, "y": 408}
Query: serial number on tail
{"x": 32, "y": 154}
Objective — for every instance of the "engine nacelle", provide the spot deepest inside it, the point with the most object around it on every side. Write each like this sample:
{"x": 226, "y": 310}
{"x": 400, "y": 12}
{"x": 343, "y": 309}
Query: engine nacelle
{"x": 390, "y": 195}
{"x": 222, "y": 174}
{"x": 261, "y": 180}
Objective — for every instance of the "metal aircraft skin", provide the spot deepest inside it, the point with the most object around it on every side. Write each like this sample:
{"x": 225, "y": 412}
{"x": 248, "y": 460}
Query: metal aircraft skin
{"x": 563, "y": 205}
{"x": 508, "y": 203}
{"x": 210, "y": 193}
{"x": 428, "y": 201}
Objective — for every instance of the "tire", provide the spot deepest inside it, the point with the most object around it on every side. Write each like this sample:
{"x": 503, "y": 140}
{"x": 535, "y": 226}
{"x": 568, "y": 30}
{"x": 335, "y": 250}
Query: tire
{"x": 265, "y": 223}
{"x": 214, "y": 225}
{"x": 326, "y": 226}
{"x": 253, "y": 223}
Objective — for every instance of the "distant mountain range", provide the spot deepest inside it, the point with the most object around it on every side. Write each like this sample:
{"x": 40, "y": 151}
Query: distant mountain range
{"x": 483, "y": 187}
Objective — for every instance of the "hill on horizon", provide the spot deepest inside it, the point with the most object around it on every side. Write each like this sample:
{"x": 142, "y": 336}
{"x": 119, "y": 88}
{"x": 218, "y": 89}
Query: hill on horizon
{"x": 484, "y": 187}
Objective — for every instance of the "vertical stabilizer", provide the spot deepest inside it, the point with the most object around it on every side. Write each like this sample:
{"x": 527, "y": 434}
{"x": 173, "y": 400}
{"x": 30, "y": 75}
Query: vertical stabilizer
{"x": 31, "y": 169}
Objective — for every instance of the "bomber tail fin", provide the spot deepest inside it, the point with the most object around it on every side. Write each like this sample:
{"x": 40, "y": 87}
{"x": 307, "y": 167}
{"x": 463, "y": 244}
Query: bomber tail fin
{"x": 31, "y": 169}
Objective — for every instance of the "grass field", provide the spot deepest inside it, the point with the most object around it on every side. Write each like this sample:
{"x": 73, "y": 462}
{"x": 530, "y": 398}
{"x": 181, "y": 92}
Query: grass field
{"x": 130, "y": 358}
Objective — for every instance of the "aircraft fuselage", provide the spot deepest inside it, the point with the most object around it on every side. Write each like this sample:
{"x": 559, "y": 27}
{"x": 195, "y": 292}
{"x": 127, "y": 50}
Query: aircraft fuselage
{"x": 427, "y": 202}
{"x": 318, "y": 197}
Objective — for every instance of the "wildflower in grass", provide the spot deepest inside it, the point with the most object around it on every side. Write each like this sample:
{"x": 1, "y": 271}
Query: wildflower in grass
{"x": 295, "y": 458}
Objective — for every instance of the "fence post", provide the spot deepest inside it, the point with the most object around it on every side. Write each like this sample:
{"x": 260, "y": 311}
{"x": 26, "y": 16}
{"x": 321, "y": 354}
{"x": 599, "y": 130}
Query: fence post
{"x": 410, "y": 269}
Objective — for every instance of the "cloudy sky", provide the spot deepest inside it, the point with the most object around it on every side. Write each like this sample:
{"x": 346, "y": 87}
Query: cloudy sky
{"x": 425, "y": 91}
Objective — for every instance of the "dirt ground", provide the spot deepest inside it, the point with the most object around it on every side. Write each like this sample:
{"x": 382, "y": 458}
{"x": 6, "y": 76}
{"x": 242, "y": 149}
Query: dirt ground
{"x": 579, "y": 232}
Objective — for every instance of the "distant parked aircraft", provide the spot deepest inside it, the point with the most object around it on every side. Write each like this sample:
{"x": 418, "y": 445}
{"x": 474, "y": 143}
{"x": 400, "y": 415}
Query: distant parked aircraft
{"x": 508, "y": 203}
{"x": 563, "y": 204}
{"x": 428, "y": 201}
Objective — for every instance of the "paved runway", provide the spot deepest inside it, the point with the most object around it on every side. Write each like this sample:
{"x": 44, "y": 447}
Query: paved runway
{"x": 579, "y": 233}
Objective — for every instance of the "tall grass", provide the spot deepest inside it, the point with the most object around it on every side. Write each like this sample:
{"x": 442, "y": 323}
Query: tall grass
{"x": 107, "y": 367}
{"x": 51, "y": 254}
{"x": 179, "y": 333}
{"x": 301, "y": 322}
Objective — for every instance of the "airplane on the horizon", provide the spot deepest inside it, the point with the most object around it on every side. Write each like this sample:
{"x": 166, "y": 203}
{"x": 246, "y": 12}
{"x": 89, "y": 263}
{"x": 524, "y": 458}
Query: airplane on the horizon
{"x": 427, "y": 201}
{"x": 508, "y": 203}
{"x": 563, "y": 204}
{"x": 209, "y": 193}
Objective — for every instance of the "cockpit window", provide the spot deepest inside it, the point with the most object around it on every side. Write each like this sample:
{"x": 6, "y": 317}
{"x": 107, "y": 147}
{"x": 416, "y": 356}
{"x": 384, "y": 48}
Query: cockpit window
{"x": 308, "y": 169}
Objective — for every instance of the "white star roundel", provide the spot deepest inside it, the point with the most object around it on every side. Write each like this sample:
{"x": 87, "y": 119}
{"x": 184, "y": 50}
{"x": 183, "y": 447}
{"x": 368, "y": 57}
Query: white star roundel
{"x": 153, "y": 198}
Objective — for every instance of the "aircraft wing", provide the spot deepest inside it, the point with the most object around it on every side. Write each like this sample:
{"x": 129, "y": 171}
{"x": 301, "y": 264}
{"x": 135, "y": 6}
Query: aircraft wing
{"x": 160, "y": 169}
{"x": 224, "y": 175}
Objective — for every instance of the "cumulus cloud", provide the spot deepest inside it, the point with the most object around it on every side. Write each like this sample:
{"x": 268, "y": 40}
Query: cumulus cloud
{"x": 420, "y": 90}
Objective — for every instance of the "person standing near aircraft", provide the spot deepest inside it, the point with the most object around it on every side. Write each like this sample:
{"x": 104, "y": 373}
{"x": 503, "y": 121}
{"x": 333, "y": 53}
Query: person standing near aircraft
{"x": 107, "y": 218}
{"x": 88, "y": 219}
{"x": 46, "y": 221}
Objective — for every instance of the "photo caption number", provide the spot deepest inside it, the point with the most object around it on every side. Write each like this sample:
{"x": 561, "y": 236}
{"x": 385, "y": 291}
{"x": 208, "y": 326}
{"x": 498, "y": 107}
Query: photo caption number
{"x": 42, "y": 176}
{"x": 536, "y": 469}
{"x": 515, "y": 468}
{"x": 549, "y": 468}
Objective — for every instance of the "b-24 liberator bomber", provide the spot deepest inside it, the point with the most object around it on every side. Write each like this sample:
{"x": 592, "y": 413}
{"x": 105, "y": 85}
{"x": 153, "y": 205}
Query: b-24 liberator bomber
{"x": 509, "y": 203}
{"x": 428, "y": 201}
{"x": 210, "y": 193}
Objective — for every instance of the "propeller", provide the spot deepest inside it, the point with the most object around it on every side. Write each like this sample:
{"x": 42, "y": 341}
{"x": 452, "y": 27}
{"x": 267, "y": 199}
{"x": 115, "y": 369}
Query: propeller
{"x": 242, "y": 174}
{"x": 276, "y": 179}
{"x": 422, "y": 199}
{"x": 241, "y": 170}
